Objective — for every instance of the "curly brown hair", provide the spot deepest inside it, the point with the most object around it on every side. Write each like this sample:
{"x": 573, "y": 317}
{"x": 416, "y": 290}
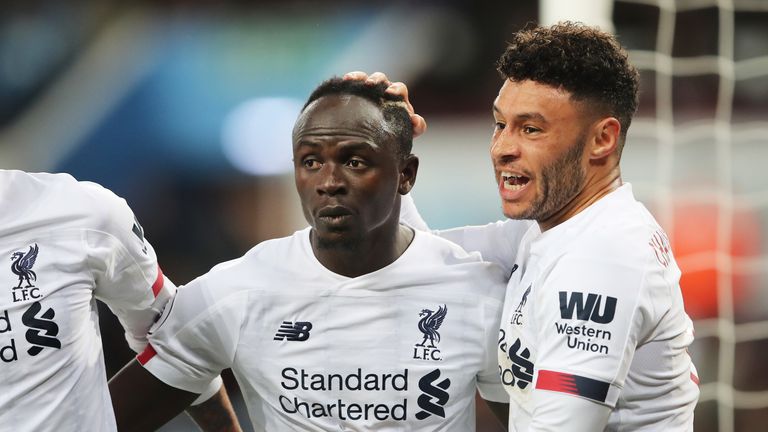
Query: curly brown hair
{"x": 588, "y": 63}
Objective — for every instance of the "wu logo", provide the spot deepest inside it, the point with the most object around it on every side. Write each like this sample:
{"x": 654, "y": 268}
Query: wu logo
{"x": 44, "y": 323}
{"x": 294, "y": 332}
{"x": 428, "y": 325}
{"x": 434, "y": 395}
{"x": 589, "y": 310}
{"x": 22, "y": 266}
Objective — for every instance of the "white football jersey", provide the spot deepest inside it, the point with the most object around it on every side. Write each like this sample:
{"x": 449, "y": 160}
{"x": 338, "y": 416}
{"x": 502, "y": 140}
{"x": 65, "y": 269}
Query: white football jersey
{"x": 65, "y": 243}
{"x": 402, "y": 348}
{"x": 593, "y": 310}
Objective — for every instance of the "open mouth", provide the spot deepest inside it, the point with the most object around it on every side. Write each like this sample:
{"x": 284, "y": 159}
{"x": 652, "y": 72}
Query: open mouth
{"x": 513, "y": 181}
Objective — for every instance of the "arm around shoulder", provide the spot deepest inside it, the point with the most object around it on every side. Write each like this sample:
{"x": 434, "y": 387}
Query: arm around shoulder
{"x": 497, "y": 242}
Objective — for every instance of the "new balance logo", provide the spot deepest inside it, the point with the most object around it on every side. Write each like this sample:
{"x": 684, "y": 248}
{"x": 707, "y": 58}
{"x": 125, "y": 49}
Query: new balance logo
{"x": 35, "y": 324}
{"x": 434, "y": 395}
{"x": 589, "y": 310}
{"x": 294, "y": 332}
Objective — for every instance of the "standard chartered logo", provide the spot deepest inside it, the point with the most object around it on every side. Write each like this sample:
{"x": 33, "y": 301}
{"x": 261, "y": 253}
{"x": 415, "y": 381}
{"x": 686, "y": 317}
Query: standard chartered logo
{"x": 300, "y": 379}
{"x": 35, "y": 324}
{"x": 435, "y": 395}
{"x": 41, "y": 332}
{"x": 304, "y": 395}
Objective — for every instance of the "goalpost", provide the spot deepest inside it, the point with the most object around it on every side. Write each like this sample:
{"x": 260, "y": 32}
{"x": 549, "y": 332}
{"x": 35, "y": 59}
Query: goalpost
{"x": 699, "y": 160}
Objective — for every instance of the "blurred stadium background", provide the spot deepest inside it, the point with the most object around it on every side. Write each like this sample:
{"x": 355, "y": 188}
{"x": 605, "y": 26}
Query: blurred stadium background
{"x": 185, "y": 109}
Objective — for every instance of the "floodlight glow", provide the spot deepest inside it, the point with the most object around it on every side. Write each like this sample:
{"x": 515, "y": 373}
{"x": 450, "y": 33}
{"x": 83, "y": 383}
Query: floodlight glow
{"x": 256, "y": 135}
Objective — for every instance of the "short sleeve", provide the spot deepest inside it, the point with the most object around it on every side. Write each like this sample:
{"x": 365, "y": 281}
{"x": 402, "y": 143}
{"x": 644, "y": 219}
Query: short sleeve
{"x": 196, "y": 337}
{"x": 124, "y": 265}
{"x": 589, "y": 318}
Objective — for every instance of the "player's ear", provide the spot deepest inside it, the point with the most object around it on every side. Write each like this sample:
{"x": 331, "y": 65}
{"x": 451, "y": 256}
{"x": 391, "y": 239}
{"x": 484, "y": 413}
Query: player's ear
{"x": 605, "y": 139}
{"x": 409, "y": 166}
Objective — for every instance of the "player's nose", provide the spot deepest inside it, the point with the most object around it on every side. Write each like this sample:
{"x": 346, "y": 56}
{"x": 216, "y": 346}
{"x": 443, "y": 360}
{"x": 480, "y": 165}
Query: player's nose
{"x": 504, "y": 148}
{"x": 331, "y": 181}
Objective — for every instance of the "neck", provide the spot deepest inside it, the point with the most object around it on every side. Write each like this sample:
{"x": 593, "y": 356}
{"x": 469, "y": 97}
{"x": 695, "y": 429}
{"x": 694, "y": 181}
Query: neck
{"x": 594, "y": 189}
{"x": 356, "y": 258}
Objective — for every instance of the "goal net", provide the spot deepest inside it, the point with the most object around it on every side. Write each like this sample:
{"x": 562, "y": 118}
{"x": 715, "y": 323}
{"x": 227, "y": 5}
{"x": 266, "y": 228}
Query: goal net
{"x": 697, "y": 155}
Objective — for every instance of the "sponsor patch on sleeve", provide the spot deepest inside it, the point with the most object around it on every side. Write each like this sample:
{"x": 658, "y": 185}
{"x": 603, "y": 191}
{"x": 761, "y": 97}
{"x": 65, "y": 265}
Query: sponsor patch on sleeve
{"x": 574, "y": 384}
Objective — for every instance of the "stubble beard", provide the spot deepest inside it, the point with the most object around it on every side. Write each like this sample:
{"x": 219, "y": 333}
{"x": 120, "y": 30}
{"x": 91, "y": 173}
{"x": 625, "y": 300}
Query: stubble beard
{"x": 559, "y": 182}
{"x": 339, "y": 241}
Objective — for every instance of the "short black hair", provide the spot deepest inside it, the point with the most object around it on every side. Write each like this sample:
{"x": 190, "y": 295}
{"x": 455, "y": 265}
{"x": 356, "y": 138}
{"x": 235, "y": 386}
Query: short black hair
{"x": 585, "y": 61}
{"x": 392, "y": 107}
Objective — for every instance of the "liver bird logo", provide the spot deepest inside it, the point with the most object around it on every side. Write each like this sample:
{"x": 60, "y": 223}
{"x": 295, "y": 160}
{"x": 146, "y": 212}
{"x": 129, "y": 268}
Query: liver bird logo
{"x": 524, "y": 300}
{"x": 22, "y": 266}
{"x": 430, "y": 323}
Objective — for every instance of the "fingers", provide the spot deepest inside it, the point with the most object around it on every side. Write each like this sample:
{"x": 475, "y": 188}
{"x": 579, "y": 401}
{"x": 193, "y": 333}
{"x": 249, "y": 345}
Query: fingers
{"x": 419, "y": 125}
{"x": 355, "y": 75}
{"x": 400, "y": 89}
{"x": 372, "y": 79}
{"x": 396, "y": 88}
{"x": 378, "y": 77}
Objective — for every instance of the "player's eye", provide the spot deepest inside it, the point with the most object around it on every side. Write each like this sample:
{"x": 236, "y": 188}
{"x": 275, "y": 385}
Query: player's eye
{"x": 356, "y": 163}
{"x": 499, "y": 125}
{"x": 528, "y": 129}
{"x": 310, "y": 163}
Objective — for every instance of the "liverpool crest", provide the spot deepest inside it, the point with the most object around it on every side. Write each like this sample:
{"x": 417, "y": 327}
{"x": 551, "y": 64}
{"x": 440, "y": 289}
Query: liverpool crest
{"x": 22, "y": 268}
{"x": 428, "y": 325}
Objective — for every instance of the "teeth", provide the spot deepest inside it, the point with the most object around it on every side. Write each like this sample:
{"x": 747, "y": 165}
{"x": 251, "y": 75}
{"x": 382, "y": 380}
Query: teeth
{"x": 512, "y": 181}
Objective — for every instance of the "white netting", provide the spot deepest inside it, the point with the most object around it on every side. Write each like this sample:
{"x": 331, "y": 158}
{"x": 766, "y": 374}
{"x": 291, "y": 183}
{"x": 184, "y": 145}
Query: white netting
{"x": 721, "y": 150}
{"x": 697, "y": 153}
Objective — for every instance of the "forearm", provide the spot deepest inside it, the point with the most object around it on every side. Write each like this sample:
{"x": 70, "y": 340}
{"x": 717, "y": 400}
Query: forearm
{"x": 142, "y": 402}
{"x": 500, "y": 410}
{"x": 216, "y": 414}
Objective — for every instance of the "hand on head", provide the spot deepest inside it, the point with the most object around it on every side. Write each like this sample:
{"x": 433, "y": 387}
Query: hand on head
{"x": 397, "y": 88}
